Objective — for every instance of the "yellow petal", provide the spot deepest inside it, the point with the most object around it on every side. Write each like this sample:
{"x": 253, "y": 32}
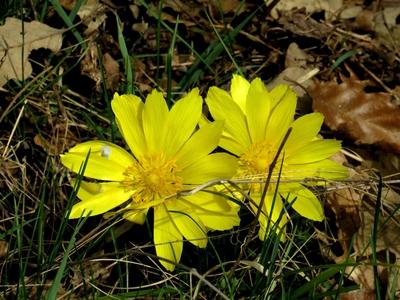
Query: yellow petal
{"x": 211, "y": 167}
{"x": 228, "y": 143}
{"x": 202, "y": 142}
{"x": 106, "y": 161}
{"x": 108, "y": 196}
{"x": 222, "y": 107}
{"x": 304, "y": 130}
{"x": 182, "y": 121}
{"x": 281, "y": 117}
{"x": 306, "y": 204}
{"x": 136, "y": 216}
{"x": 214, "y": 211}
{"x": 278, "y": 93}
{"x": 188, "y": 223}
{"x": 257, "y": 110}
{"x": 324, "y": 169}
{"x": 128, "y": 114}
{"x": 314, "y": 151}
{"x": 86, "y": 190}
{"x": 167, "y": 238}
{"x": 239, "y": 89}
{"x": 155, "y": 113}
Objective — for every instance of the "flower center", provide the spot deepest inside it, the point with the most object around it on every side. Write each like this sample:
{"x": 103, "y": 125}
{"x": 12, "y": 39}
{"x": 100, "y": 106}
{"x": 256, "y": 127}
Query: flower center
{"x": 152, "y": 177}
{"x": 255, "y": 161}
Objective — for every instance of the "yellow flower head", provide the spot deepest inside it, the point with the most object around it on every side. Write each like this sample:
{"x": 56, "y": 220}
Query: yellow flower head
{"x": 169, "y": 155}
{"x": 256, "y": 122}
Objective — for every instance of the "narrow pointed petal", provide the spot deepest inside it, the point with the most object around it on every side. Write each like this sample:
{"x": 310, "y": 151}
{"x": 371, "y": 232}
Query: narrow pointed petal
{"x": 222, "y": 107}
{"x": 306, "y": 204}
{"x": 278, "y": 93}
{"x": 155, "y": 113}
{"x": 106, "y": 161}
{"x": 281, "y": 118}
{"x": 314, "y": 151}
{"x": 324, "y": 169}
{"x": 239, "y": 89}
{"x": 211, "y": 167}
{"x": 228, "y": 143}
{"x": 128, "y": 114}
{"x": 188, "y": 223}
{"x": 203, "y": 141}
{"x": 257, "y": 110}
{"x": 214, "y": 211}
{"x": 304, "y": 130}
{"x": 167, "y": 238}
{"x": 108, "y": 196}
{"x": 182, "y": 121}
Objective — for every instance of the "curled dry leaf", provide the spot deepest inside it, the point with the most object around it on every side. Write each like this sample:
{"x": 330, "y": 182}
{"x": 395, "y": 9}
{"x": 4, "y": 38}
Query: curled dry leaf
{"x": 17, "y": 40}
{"x": 368, "y": 118}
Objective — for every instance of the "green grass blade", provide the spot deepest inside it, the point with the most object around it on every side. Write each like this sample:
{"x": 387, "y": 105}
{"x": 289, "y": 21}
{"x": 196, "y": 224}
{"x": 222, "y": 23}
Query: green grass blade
{"x": 67, "y": 20}
{"x": 126, "y": 57}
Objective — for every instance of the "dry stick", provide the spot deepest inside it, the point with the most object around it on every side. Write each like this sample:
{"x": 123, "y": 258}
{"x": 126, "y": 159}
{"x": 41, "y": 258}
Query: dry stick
{"x": 259, "y": 210}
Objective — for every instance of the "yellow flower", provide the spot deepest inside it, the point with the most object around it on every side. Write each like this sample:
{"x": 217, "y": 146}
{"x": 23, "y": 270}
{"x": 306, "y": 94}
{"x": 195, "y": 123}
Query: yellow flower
{"x": 256, "y": 122}
{"x": 169, "y": 156}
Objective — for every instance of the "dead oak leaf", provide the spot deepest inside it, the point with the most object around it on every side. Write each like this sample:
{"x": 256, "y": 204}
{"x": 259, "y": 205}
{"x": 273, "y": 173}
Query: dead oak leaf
{"x": 17, "y": 40}
{"x": 368, "y": 118}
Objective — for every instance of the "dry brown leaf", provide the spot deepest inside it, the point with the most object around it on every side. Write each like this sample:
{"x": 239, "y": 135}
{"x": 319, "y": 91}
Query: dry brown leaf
{"x": 354, "y": 210}
{"x": 329, "y": 6}
{"x": 386, "y": 28}
{"x": 17, "y": 42}
{"x": 368, "y": 118}
{"x": 93, "y": 14}
{"x": 112, "y": 72}
{"x": 297, "y": 71}
{"x": 299, "y": 23}
{"x": 226, "y": 5}
{"x": 90, "y": 67}
{"x": 68, "y": 4}
{"x": 362, "y": 294}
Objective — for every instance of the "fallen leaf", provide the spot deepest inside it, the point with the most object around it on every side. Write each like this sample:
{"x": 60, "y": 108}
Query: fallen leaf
{"x": 368, "y": 118}
{"x": 226, "y": 6}
{"x": 17, "y": 40}
{"x": 354, "y": 210}
{"x": 298, "y": 71}
{"x": 386, "y": 28}
{"x": 112, "y": 72}
{"x": 68, "y": 4}
{"x": 90, "y": 67}
{"x": 329, "y": 6}
{"x": 299, "y": 23}
{"x": 92, "y": 14}
{"x": 363, "y": 294}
